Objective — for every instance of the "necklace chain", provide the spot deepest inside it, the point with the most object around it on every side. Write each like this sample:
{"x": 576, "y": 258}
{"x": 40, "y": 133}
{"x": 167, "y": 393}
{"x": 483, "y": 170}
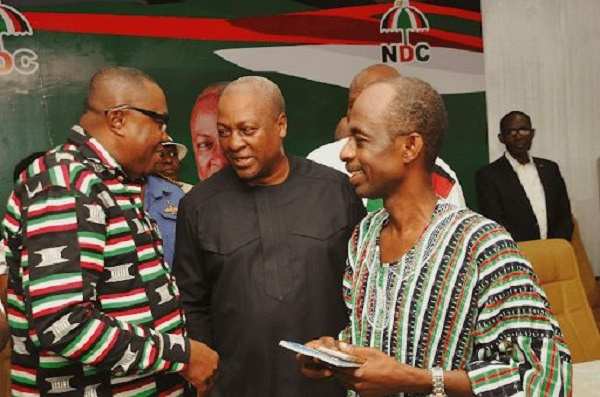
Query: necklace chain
{"x": 173, "y": 181}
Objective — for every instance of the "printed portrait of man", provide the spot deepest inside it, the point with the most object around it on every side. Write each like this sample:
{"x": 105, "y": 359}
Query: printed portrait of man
{"x": 203, "y": 127}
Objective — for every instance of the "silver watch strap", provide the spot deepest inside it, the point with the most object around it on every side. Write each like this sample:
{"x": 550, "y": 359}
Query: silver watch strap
{"x": 437, "y": 381}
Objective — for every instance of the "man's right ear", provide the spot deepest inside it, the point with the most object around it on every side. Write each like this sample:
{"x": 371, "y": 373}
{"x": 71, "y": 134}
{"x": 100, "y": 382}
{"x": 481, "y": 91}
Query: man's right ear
{"x": 501, "y": 139}
{"x": 116, "y": 121}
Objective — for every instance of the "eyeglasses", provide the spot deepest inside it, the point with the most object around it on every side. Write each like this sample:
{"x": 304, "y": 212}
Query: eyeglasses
{"x": 159, "y": 118}
{"x": 520, "y": 131}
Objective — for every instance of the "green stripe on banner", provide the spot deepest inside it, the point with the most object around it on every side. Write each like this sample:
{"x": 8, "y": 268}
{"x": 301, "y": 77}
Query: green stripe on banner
{"x": 183, "y": 67}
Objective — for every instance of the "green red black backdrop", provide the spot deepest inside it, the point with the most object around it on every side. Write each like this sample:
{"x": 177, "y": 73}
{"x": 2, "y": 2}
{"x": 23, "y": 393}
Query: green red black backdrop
{"x": 310, "y": 48}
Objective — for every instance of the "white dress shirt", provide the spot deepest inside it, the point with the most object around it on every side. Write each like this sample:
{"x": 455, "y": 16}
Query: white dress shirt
{"x": 534, "y": 190}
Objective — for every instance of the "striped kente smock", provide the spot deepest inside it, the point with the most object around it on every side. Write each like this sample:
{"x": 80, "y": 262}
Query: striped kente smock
{"x": 92, "y": 308}
{"x": 464, "y": 297}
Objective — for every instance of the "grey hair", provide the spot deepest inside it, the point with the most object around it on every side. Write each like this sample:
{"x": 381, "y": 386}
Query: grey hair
{"x": 267, "y": 89}
{"x": 417, "y": 107}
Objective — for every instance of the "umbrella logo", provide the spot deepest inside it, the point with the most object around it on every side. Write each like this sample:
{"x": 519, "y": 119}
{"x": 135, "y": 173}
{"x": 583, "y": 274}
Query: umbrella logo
{"x": 23, "y": 60}
{"x": 403, "y": 18}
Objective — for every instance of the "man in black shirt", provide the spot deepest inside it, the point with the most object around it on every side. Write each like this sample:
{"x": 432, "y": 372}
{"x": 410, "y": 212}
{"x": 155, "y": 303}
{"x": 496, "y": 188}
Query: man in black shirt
{"x": 261, "y": 248}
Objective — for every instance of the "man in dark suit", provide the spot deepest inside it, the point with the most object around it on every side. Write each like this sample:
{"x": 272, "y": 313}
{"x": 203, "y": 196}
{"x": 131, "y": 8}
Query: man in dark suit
{"x": 527, "y": 195}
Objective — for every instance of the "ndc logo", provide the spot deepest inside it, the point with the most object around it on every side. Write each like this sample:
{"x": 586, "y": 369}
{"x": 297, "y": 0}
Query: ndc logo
{"x": 403, "y": 18}
{"x": 23, "y": 60}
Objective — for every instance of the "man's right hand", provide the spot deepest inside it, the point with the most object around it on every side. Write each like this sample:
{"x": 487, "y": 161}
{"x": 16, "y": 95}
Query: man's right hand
{"x": 202, "y": 368}
{"x": 312, "y": 367}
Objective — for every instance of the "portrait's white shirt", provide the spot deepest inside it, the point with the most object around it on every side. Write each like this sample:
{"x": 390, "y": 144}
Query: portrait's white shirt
{"x": 329, "y": 155}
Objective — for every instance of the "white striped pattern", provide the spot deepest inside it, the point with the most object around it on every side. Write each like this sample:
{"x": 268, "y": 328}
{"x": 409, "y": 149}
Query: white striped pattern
{"x": 22, "y": 374}
{"x": 117, "y": 226}
{"x": 42, "y": 206}
{"x": 71, "y": 299}
{"x": 110, "y": 247}
{"x": 134, "y": 318}
{"x": 67, "y": 221}
{"x": 98, "y": 243}
{"x": 123, "y": 300}
{"x": 444, "y": 312}
{"x": 112, "y": 334}
{"x": 56, "y": 282}
{"x": 167, "y": 324}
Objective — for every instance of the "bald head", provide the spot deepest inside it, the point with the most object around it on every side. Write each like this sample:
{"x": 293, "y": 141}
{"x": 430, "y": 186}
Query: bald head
{"x": 114, "y": 86}
{"x": 369, "y": 76}
{"x": 126, "y": 112}
{"x": 252, "y": 125}
{"x": 267, "y": 91}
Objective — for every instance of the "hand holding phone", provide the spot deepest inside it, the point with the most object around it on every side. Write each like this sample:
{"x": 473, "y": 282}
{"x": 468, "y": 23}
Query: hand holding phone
{"x": 341, "y": 355}
{"x": 337, "y": 359}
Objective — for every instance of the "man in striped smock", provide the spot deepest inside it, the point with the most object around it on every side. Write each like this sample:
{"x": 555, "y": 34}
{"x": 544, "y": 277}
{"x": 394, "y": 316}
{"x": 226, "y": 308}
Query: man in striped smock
{"x": 92, "y": 307}
{"x": 441, "y": 300}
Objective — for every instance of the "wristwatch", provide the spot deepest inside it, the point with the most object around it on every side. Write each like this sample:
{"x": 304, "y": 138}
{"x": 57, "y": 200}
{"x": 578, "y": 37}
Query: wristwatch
{"x": 437, "y": 381}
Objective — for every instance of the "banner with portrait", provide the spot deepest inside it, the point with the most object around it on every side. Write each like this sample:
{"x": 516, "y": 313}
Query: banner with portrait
{"x": 311, "y": 49}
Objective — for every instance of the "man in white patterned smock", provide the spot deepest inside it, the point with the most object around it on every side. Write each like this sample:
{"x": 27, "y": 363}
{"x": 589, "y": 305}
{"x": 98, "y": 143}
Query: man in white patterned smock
{"x": 440, "y": 299}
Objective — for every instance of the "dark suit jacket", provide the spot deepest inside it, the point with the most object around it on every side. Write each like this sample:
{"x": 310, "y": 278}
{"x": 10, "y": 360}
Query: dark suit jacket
{"x": 502, "y": 198}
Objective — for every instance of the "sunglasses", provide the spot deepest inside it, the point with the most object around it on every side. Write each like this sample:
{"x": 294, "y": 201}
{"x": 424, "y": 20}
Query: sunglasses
{"x": 520, "y": 131}
{"x": 159, "y": 118}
